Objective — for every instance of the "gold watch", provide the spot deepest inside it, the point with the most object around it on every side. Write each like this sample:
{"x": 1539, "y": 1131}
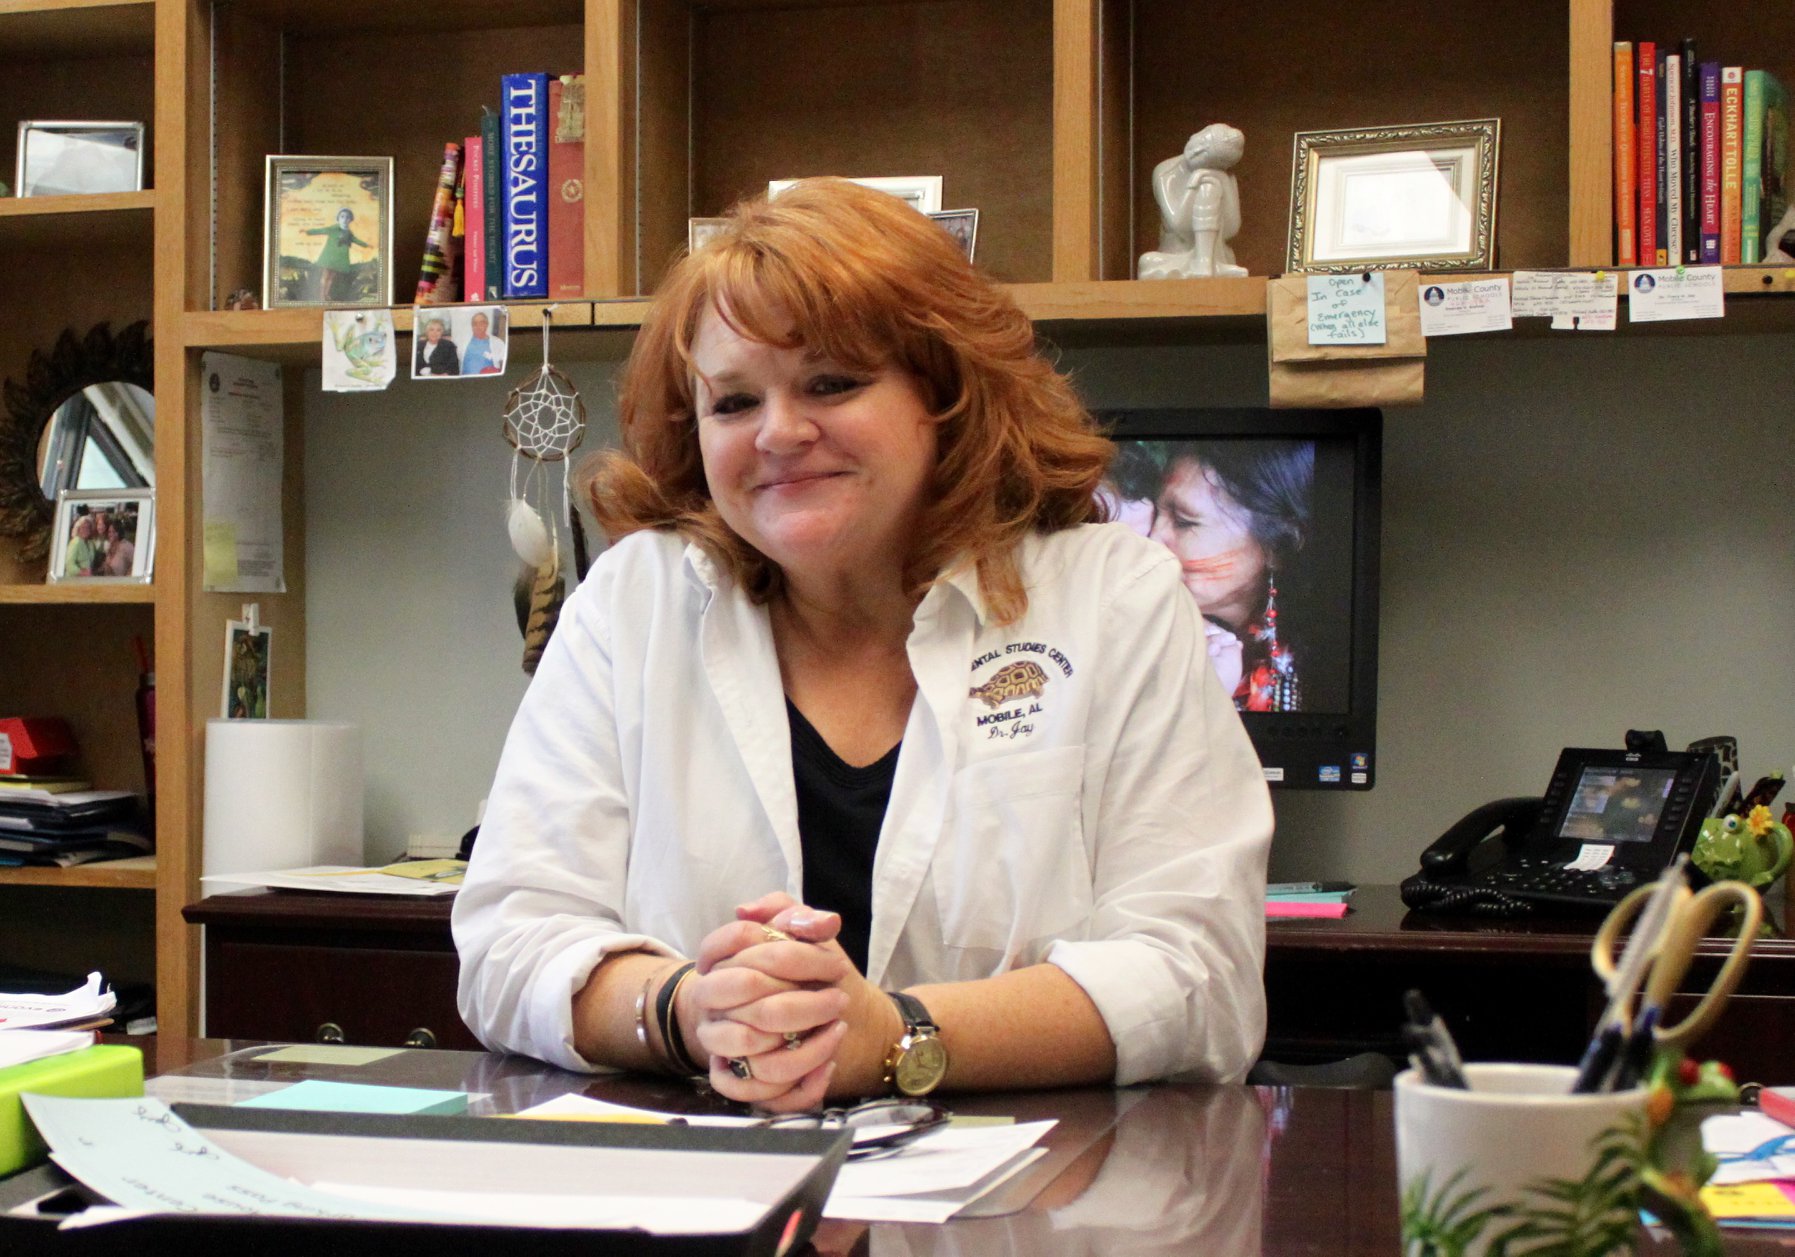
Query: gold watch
{"x": 917, "y": 1062}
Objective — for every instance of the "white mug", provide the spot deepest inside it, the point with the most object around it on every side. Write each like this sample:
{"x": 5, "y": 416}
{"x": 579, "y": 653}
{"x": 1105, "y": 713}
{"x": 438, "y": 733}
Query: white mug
{"x": 1473, "y": 1165}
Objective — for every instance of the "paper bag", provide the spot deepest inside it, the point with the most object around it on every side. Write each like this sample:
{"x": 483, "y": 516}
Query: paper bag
{"x": 1344, "y": 375}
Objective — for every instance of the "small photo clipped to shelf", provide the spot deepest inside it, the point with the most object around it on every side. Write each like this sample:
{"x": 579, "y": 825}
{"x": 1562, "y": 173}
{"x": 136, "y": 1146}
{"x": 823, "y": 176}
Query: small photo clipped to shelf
{"x": 329, "y": 232}
{"x": 79, "y": 158}
{"x": 247, "y": 651}
{"x": 104, "y": 536}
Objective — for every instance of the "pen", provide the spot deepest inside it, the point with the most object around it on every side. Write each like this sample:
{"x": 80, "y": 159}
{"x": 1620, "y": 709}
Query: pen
{"x": 1309, "y": 888}
{"x": 1432, "y": 1048}
{"x": 1612, "y": 1041}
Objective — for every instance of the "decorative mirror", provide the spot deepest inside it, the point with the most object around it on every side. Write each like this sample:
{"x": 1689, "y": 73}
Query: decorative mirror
{"x": 85, "y": 418}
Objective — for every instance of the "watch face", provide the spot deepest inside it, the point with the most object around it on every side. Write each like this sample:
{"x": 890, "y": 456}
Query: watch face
{"x": 920, "y": 1069}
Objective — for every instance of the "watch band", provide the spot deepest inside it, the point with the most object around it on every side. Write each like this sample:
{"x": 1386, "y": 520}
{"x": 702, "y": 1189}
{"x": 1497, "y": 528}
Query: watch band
{"x": 916, "y": 1017}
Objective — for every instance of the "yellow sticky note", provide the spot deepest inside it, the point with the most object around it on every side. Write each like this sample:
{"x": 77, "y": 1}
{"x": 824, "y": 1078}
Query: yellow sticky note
{"x": 1748, "y": 1200}
{"x": 221, "y": 554}
{"x": 328, "y": 1054}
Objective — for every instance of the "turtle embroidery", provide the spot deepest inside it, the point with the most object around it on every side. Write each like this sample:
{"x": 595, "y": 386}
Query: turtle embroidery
{"x": 1012, "y": 681}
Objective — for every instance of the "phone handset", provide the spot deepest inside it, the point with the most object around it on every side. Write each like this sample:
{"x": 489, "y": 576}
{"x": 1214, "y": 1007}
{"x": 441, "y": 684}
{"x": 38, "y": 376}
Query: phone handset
{"x": 1509, "y": 820}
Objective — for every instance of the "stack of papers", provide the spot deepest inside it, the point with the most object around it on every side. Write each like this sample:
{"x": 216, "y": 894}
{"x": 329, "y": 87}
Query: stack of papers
{"x": 21, "y": 1047}
{"x": 84, "y": 1007}
{"x": 929, "y": 1180}
{"x": 1755, "y": 1183}
{"x": 1307, "y": 899}
{"x": 46, "y": 826}
{"x": 422, "y": 878}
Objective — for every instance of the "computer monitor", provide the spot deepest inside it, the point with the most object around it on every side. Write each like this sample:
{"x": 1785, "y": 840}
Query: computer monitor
{"x": 1274, "y": 518}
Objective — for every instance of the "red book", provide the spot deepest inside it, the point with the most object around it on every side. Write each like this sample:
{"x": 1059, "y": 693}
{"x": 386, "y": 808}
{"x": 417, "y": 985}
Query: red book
{"x": 1626, "y": 157}
{"x": 474, "y": 238}
{"x": 1645, "y": 137}
{"x": 567, "y": 186}
{"x": 1732, "y": 157}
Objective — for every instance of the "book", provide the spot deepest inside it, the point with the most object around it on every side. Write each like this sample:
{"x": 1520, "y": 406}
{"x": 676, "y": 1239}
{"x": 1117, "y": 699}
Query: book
{"x": 1660, "y": 241}
{"x": 494, "y": 205}
{"x": 1626, "y": 157}
{"x": 473, "y": 167}
{"x": 1778, "y": 1102}
{"x": 1766, "y": 108}
{"x": 435, "y": 286}
{"x": 1692, "y": 183}
{"x": 1732, "y": 127}
{"x": 524, "y": 124}
{"x": 1645, "y": 137}
{"x": 567, "y": 186}
{"x": 1672, "y": 82}
{"x": 1710, "y": 163}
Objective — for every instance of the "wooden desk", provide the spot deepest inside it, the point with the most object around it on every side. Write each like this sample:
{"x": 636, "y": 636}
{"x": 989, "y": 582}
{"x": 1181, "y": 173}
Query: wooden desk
{"x": 1511, "y": 989}
{"x": 1162, "y": 1170}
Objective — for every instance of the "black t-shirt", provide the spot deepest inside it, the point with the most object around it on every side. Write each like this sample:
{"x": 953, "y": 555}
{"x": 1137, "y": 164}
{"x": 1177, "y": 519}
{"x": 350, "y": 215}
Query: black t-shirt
{"x": 840, "y": 810}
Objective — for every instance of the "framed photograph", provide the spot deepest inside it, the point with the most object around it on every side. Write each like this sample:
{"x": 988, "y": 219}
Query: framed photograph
{"x": 246, "y": 655}
{"x": 458, "y": 342}
{"x": 75, "y": 158}
{"x": 104, "y": 536}
{"x": 700, "y": 230}
{"x": 920, "y": 192}
{"x": 328, "y": 239}
{"x": 1382, "y": 197}
{"x": 962, "y": 225}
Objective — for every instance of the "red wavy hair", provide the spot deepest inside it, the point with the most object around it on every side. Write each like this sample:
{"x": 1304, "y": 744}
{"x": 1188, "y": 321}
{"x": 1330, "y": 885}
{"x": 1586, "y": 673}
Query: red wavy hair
{"x": 860, "y": 278}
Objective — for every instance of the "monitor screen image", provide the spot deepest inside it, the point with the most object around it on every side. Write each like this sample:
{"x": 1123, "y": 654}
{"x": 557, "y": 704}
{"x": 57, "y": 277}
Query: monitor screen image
{"x": 1273, "y": 518}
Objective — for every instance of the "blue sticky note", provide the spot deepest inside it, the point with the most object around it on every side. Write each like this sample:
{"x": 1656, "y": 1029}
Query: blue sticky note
{"x": 318, "y": 1096}
{"x": 1347, "y": 310}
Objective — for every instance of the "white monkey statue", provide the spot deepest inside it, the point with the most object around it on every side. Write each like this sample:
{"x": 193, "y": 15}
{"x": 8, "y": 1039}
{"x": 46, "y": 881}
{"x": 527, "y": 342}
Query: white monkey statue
{"x": 1199, "y": 207}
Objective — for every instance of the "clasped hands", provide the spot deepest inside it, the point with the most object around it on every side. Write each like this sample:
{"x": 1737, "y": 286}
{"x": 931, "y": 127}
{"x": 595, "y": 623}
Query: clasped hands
{"x": 781, "y": 1012}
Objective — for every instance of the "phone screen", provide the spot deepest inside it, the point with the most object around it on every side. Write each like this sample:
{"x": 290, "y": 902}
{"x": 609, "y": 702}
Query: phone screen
{"x": 1617, "y": 804}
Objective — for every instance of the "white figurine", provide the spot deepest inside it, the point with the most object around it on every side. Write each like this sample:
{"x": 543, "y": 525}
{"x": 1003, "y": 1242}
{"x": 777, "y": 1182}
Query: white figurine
{"x": 1199, "y": 207}
{"x": 1779, "y": 244}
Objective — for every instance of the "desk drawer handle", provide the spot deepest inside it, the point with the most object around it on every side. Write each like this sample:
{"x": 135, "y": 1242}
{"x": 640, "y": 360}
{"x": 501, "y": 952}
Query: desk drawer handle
{"x": 330, "y": 1032}
{"x": 421, "y": 1038}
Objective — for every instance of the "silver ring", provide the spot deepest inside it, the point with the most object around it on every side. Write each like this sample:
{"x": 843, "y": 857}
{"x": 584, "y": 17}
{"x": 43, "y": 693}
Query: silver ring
{"x": 739, "y": 1066}
{"x": 793, "y": 1040}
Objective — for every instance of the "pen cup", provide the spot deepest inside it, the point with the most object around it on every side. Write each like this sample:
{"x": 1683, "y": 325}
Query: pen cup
{"x": 1516, "y": 1156}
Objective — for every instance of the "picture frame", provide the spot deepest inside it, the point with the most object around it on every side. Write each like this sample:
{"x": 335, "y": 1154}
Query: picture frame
{"x": 700, "y": 230}
{"x": 920, "y": 192}
{"x": 78, "y": 158}
{"x": 103, "y": 537}
{"x": 248, "y": 652}
{"x": 306, "y": 261}
{"x": 963, "y": 226}
{"x": 1376, "y": 198}
{"x": 457, "y": 353}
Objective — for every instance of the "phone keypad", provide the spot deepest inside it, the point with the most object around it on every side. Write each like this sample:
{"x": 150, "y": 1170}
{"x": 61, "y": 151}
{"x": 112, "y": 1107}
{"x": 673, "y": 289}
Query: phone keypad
{"x": 1533, "y": 876}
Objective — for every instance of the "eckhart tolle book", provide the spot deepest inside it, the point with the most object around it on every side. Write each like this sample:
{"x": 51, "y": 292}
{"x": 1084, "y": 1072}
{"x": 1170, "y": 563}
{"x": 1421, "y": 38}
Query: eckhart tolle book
{"x": 524, "y": 117}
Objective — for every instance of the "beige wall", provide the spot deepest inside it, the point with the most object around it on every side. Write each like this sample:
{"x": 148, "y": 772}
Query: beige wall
{"x": 1582, "y": 533}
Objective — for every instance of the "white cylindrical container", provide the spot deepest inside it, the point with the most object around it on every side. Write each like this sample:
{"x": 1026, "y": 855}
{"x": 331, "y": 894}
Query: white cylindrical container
{"x": 282, "y": 794}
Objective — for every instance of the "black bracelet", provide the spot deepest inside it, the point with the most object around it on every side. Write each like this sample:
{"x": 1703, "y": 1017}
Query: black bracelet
{"x": 668, "y": 1020}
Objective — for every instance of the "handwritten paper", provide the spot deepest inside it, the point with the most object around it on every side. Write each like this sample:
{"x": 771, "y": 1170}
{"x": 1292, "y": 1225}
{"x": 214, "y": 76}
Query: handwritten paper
{"x": 1454, "y": 308}
{"x": 1584, "y": 300}
{"x": 1675, "y": 292}
{"x": 1347, "y": 309}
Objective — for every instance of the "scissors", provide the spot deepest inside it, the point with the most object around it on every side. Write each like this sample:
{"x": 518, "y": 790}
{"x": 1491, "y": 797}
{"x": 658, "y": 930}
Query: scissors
{"x": 1670, "y": 924}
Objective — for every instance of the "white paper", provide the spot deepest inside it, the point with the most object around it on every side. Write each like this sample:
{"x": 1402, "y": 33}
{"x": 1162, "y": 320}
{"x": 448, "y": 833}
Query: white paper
{"x": 1592, "y": 856}
{"x": 21, "y": 1047}
{"x": 360, "y": 350}
{"x": 670, "y": 1215}
{"x": 585, "y": 1108}
{"x": 341, "y": 879}
{"x": 935, "y": 1207}
{"x": 1581, "y": 299}
{"x": 85, "y": 1003}
{"x": 1675, "y": 292}
{"x": 1752, "y": 1148}
{"x": 1456, "y": 307}
{"x": 950, "y": 1159}
{"x": 1347, "y": 309}
{"x": 241, "y": 424}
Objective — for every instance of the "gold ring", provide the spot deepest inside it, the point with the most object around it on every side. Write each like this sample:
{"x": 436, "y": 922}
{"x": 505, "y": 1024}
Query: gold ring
{"x": 739, "y": 1066}
{"x": 793, "y": 1040}
{"x": 771, "y": 935}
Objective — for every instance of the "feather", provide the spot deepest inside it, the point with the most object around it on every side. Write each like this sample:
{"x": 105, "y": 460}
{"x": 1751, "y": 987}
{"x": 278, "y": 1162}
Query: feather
{"x": 547, "y": 593}
{"x": 581, "y": 560}
{"x": 528, "y": 535}
{"x": 520, "y": 596}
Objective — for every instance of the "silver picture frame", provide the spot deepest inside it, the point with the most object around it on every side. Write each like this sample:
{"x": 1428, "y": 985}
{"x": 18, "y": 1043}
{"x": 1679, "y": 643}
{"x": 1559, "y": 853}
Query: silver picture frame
{"x": 78, "y": 158}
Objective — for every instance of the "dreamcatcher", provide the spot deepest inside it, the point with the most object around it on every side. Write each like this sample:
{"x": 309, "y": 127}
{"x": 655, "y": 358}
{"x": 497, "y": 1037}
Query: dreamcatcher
{"x": 545, "y": 420}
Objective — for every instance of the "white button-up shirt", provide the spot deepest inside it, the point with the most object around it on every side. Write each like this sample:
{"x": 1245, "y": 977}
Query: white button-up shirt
{"x": 1073, "y": 788}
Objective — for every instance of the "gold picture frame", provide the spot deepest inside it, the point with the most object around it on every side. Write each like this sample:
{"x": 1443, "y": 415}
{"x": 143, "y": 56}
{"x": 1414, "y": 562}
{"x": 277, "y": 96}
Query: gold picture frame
{"x": 1378, "y": 198}
{"x": 303, "y": 262}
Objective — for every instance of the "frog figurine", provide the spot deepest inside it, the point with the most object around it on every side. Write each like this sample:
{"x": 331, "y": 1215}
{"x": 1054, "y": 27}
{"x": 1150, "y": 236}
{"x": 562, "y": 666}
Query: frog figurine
{"x": 1754, "y": 848}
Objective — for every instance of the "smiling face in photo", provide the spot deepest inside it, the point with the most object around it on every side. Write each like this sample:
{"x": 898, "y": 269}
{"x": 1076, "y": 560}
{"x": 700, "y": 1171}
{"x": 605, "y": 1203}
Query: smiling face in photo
{"x": 818, "y": 465}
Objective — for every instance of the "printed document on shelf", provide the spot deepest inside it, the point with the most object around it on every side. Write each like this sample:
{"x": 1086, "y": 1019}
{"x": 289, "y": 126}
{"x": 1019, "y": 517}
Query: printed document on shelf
{"x": 240, "y": 461}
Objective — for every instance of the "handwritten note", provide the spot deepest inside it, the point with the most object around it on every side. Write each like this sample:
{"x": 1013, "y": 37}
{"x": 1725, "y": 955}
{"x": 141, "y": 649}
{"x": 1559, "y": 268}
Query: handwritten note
{"x": 1584, "y": 300}
{"x": 1455, "y": 308}
{"x": 1347, "y": 309}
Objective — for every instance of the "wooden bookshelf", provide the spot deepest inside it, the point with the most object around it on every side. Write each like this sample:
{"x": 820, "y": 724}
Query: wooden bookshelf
{"x": 60, "y": 29}
{"x": 76, "y": 595}
{"x": 136, "y": 873}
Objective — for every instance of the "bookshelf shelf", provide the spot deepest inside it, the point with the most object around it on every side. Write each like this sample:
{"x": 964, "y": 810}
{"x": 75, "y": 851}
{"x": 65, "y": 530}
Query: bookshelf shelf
{"x": 66, "y": 595}
{"x": 56, "y": 29}
{"x": 137, "y": 873}
{"x": 108, "y": 217}
{"x": 345, "y": 17}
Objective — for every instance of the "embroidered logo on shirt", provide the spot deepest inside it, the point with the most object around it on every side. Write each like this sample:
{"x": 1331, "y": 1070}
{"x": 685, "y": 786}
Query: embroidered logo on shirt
{"x": 1010, "y": 682}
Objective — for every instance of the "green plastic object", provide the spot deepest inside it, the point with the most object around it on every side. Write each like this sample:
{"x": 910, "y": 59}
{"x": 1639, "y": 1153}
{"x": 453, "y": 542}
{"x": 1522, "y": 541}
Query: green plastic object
{"x": 105, "y": 1070}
